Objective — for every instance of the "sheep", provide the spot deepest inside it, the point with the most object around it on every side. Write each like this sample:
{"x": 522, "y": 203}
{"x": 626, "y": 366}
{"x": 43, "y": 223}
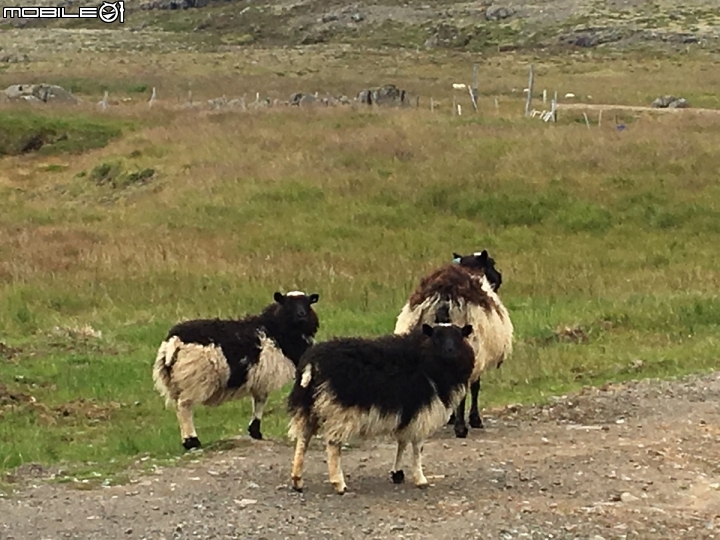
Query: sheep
{"x": 402, "y": 386}
{"x": 211, "y": 361}
{"x": 468, "y": 289}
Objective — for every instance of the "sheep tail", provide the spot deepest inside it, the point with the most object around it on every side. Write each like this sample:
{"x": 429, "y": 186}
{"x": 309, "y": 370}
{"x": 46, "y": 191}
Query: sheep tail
{"x": 162, "y": 369}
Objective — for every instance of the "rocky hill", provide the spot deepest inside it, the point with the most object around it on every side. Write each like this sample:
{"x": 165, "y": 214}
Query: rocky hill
{"x": 474, "y": 26}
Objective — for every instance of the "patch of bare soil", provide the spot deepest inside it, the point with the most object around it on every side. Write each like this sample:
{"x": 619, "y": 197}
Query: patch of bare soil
{"x": 86, "y": 409}
{"x": 623, "y": 461}
{"x": 8, "y": 353}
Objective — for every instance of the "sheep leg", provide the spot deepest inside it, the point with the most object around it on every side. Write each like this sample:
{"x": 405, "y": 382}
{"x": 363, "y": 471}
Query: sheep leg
{"x": 418, "y": 476}
{"x": 299, "y": 459}
{"x": 337, "y": 479}
{"x": 397, "y": 474}
{"x": 474, "y": 417}
{"x": 187, "y": 426}
{"x": 258, "y": 408}
{"x": 451, "y": 421}
{"x": 461, "y": 429}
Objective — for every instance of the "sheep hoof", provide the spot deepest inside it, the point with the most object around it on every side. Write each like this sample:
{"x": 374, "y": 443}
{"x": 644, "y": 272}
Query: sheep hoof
{"x": 254, "y": 429}
{"x": 398, "y": 477}
{"x": 191, "y": 442}
{"x": 297, "y": 484}
{"x": 476, "y": 422}
{"x": 340, "y": 489}
{"x": 461, "y": 431}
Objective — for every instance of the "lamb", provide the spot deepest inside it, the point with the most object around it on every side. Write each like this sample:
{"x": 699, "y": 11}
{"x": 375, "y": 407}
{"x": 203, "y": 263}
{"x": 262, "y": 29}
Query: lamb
{"x": 211, "y": 361}
{"x": 468, "y": 289}
{"x": 393, "y": 385}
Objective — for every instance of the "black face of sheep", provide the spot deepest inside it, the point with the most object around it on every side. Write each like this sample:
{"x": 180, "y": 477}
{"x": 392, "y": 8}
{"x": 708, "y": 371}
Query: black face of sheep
{"x": 297, "y": 305}
{"x": 446, "y": 339}
{"x": 481, "y": 261}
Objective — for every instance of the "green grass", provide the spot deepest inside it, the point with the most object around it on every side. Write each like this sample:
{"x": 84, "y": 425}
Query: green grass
{"x": 93, "y": 86}
{"x": 174, "y": 215}
{"x": 26, "y": 131}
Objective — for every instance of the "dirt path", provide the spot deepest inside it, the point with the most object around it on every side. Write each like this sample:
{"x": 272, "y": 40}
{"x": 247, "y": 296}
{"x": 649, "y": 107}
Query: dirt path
{"x": 634, "y": 461}
{"x": 635, "y": 108}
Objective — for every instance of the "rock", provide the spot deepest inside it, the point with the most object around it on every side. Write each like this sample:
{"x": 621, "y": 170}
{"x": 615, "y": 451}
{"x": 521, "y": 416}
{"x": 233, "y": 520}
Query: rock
{"x": 679, "y": 104}
{"x": 357, "y": 17}
{"x": 592, "y": 37}
{"x": 307, "y": 99}
{"x": 431, "y": 42}
{"x": 662, "y": 102}
{"x": 14, "y": 58}
{"x": 498, "y": 13}
{"x": 173, "y": 4}
{"x": 628, "y": 497}
{"x": 40, "y": 93}
{"x": 329, "y": 17}
{"x": 670, "y": 102}
{"x": 388, "y": 94}
{"x": 300, "y": 98}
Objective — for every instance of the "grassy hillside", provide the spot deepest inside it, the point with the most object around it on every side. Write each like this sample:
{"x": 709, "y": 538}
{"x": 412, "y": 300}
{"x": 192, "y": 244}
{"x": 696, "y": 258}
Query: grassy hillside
{"x": 605, "y": 238}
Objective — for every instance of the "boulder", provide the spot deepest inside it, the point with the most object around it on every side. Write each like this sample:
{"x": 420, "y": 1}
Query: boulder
{"x": 40, "y": 93}
{"x": 499, "y": 13}
{"x": 670, "y": 102}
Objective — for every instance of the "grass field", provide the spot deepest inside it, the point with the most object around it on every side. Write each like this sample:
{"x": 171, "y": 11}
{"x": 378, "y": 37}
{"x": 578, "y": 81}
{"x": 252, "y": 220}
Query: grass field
{"x": 606, "y": 240}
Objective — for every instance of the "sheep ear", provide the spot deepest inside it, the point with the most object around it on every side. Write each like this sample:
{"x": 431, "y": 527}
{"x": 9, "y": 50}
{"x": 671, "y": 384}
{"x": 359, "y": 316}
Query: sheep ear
{"x": 427, "y": 329}
{"x": 456, "y": 258}
{"x": 314, "y": 298}
{"x": 467, "y": 330}
{"x": 279, "y": 298}
{"x": 483, "y": 255}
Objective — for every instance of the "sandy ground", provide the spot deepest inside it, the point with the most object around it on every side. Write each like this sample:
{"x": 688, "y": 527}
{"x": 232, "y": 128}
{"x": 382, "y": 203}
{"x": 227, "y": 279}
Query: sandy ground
{"x": 632, "y": 461}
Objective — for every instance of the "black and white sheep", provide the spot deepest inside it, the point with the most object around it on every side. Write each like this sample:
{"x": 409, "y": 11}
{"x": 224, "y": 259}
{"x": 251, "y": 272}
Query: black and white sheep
{"x": 211, "y": 361}
{"x": 468, "y": 289}
{"x": 392, "y": 385}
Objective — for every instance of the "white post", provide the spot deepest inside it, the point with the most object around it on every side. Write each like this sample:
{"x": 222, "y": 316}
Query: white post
{"x": 473, "y": 99}
{"x": 587, "y": 121}
{"x": 600, "y": 118}
{"x": 432, "y": 105}
{"x": 497, "y": 106}
{"x": 544, "y": 96}
{"x": 152, "y": 98}
{"x": 531, "y": 80}
{"x": 474, "y": 93}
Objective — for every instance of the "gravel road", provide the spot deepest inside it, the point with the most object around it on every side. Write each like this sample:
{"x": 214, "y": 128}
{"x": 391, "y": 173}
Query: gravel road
{"x": 624, "y": 461}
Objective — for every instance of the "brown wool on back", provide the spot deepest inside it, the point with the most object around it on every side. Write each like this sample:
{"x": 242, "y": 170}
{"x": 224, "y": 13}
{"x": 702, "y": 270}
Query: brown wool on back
{"x": 454, "y": 282}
